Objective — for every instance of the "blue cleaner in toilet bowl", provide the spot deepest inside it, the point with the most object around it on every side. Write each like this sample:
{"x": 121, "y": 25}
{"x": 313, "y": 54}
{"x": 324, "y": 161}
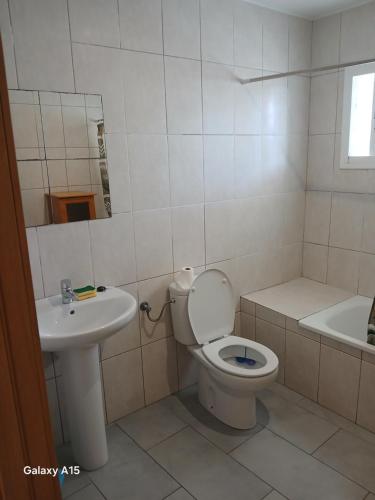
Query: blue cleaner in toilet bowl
{"x": 245, "y": 361}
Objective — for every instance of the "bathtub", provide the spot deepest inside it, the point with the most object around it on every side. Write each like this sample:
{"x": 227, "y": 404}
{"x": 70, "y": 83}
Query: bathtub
{"x": 345, "y": 322}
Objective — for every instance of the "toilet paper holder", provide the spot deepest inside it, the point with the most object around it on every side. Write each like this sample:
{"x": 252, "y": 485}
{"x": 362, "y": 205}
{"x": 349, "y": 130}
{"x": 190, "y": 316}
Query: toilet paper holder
{"x": 145, "y": 307}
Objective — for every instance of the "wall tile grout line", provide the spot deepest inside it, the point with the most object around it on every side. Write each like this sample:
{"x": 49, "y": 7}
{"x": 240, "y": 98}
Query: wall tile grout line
{"x": 71, "y": 45}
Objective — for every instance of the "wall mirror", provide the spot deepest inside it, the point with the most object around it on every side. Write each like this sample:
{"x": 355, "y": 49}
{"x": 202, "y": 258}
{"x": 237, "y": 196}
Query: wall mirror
{"x": 358, "y": 119}
{"x": 61, "y": 156}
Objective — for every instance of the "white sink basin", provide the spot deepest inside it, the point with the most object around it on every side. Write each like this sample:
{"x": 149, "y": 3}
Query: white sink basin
{"x": 76, "y": 329}
{"x": 68, "y": 326}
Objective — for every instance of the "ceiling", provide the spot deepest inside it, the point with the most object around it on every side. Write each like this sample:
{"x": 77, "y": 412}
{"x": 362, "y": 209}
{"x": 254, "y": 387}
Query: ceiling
{"x": 310, "y": 9}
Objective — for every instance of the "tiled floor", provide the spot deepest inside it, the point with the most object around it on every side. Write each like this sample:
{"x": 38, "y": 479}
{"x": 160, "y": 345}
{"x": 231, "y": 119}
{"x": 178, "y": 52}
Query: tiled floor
{"x": 174, "y": 449}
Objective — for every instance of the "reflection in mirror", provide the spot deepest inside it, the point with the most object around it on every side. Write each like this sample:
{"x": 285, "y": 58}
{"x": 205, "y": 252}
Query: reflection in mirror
{"x": 61, "y": 156}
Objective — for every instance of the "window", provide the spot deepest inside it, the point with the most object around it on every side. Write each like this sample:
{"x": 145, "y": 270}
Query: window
{"x": 358, "y": 122}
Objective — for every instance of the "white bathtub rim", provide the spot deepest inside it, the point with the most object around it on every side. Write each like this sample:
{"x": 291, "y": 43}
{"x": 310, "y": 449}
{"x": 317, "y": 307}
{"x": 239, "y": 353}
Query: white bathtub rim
{"x": 316, "y": 323}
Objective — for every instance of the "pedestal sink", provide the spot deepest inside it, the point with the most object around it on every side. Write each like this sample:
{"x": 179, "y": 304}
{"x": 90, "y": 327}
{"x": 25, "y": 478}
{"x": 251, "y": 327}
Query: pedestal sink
{"x": 76, "y": 329}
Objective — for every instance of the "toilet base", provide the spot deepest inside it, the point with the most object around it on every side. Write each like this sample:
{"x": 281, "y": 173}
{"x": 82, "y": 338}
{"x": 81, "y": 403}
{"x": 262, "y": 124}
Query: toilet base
{"x": 235, "y": 409}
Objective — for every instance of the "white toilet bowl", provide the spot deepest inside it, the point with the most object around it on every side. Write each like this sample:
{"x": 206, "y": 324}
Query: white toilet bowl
{"x": 231, "y": 368}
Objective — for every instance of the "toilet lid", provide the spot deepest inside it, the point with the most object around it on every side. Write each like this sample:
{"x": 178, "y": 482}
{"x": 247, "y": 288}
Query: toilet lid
{"x": 226, "y": 354}
{"x": 210, "y": 306}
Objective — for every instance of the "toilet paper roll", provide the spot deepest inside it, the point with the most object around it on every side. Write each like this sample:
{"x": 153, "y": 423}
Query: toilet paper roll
{"x": 185, "y": 278}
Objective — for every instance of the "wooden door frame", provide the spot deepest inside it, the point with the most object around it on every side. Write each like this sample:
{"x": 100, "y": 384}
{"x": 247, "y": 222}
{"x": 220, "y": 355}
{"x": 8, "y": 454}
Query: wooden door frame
{"x": 25, "y": 428}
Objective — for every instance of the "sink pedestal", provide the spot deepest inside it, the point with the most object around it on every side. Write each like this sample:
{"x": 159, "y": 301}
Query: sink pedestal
{"x": 84, "y": 401}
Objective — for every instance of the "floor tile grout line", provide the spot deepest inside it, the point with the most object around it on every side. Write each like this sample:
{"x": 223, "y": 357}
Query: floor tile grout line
{"x": 320, "y": 461}
{"x": 349, "y": 431}
{"x": 229, "y": 452}
{"x": 153, "y": 459}
{"x": 256, "y": 475}
{"x": 217, "y": 448}
{"x": 91, "y": 483}
{"x": 188, "y": 424}
{"x": 100, "y": 491}
{"x": 75, "y": 491}
{"x": 170, "y": 494}
{"x": 326, "y": 441}
{"x": 285, "y": 439}
{"x": 246, "y": 440}
{"x": 156, "y": 444}
{"x": 178, "y": 489}
{"x": 343, "y": 475}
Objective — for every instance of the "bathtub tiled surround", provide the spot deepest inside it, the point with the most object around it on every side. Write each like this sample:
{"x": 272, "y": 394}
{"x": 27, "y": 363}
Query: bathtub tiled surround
{"x": 203, "y": 171}
{"x": 339, "y": 242}
{"x": 336, "y": 375}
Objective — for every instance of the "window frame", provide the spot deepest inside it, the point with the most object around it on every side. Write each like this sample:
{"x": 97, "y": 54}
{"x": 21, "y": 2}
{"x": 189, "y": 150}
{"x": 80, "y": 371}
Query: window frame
{"x": 355, "y": 162}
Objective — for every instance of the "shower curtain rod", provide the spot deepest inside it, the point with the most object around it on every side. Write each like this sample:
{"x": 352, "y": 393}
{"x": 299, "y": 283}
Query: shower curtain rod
{"x": 302, "y": 71}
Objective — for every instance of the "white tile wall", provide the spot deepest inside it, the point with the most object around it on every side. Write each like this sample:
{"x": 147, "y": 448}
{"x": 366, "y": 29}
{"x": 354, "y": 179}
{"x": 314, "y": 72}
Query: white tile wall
{"x": 113, "y": 254}
{"x": 218, "y": 98}
{"x": 203, "y": 170}
{"x": 247, "y": 165}
{"x": 339, "y": 234}
{"x": 275, "y": 41}
{"x": 181, "y": 28}
{"x": 144, "y": 93}
{"x": 149, "y": 173}
{"x": 219, "y": 167}
{"x": 186, "y": 169}
{"x": 357, "y": 34}
{"x": 65, "y": 253}
{"x": 42, "y": 44}
{"x": 323, "y": 103}
{"x": 153, "y": 243}
{"x": 343, "y": 268}
{"x": 326, "y": 41}
{"x": 141, "y": 25}
{"x": 366, "y": 284}
{"x": 118, "y": 171}
{"x": 36, "y": 270}
{"x": 220, "y": 231}
{"x": 94, "y": 21}
{"x": 346, "y": 221}
{"x": 300, "y": 33}
{"x": 368, "y": 235}
{"x": 298, "y": 105}
{"x": 109, "y": 83}
{"x": 248, "y": 103}
{"x": 274, "y": 107}
{"x": 320, "y": 162}
{"x": 315, "y": 262}
{"x": 188, "y": 236}
{"x": 217, "y": 30}
{"x": 247, "y": 35}
{"x": 317, "y": 217}
{"x": 183, "y": 82}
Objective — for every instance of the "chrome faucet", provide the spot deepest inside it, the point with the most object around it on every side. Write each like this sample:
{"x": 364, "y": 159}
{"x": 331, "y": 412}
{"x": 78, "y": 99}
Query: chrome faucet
{"x": 67, "y": 294}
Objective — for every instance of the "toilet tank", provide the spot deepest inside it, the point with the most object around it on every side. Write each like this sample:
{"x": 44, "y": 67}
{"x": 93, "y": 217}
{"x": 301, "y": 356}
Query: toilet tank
{"x": 182, "y": 330}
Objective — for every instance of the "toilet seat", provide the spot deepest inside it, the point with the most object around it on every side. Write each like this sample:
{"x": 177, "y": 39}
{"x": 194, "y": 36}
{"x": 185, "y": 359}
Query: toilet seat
{"x": 231, "y": 346}
{"x": 210, "y": 306}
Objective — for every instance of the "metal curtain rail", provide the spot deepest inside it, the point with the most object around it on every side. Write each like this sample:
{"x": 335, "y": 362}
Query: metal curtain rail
{"x": 302, "y": 71}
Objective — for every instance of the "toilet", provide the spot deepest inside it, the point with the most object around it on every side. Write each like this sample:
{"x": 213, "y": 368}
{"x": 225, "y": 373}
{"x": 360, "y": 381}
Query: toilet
{"x": 231, "y": 369}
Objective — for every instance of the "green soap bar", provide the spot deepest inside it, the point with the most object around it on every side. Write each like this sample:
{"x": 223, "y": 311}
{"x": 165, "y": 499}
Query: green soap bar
{"x": 85, "y": 289}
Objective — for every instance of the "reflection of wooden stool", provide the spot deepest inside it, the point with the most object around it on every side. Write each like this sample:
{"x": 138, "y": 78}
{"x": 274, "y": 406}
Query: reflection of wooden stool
{"x": 71, "y": 206}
